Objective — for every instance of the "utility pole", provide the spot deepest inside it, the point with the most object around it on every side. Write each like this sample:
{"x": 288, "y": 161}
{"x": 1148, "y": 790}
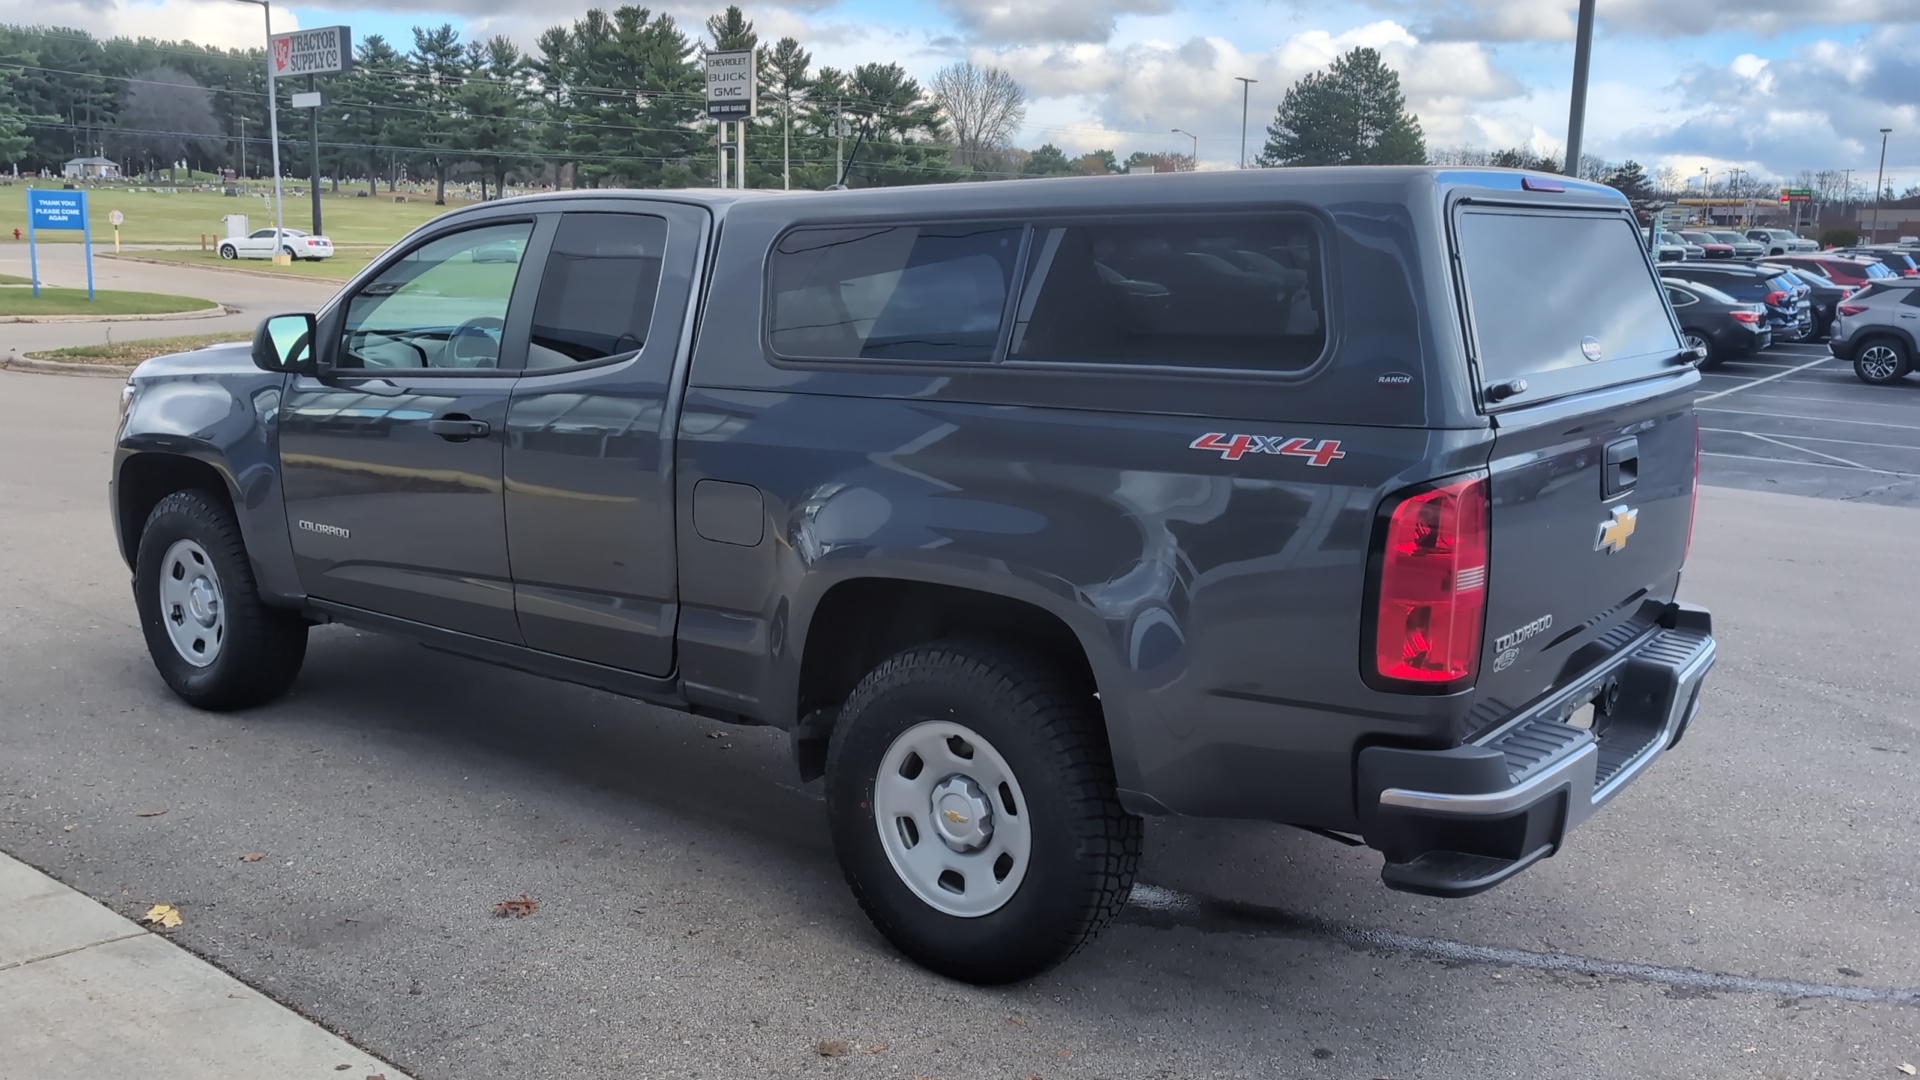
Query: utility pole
{"x": 1846, "y": 192}
{"x": 1577, "y": 109}
{"x": 1879, "y": 181}
{"x": 313, "y": 135}
{"x": 840, "y": 146}
{"x": 786, "y": 146}
{"x": 243, "y": 148}
{"x": 1246, "y": 90}
{"x": 273, "y": 121}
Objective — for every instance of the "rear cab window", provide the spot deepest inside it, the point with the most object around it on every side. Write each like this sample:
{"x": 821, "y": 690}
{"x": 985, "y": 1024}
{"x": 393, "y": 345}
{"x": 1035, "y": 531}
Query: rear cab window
{"x": 1597, "y": 320}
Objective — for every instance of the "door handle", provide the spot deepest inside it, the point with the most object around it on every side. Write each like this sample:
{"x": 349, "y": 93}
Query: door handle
{"x": 458, "y": 427}
{"x": 1620, "y": 467}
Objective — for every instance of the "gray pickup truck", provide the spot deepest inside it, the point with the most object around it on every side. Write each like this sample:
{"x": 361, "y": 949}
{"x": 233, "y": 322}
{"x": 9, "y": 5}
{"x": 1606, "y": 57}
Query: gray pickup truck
{"x": 1334, "y": 498}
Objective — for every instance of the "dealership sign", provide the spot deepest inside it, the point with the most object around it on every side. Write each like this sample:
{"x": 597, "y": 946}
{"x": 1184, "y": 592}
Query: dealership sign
{"x": 326, "y": 51}
{"x": 732, "y": 85}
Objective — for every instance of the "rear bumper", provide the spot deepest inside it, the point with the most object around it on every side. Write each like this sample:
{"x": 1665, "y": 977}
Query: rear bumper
{"x": 1458, "y": 822}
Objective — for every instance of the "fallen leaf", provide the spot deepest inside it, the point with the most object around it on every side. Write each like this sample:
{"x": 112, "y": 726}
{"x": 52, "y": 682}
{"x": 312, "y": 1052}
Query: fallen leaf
{"x": 165, "y": 916}
{"x": 1032, "y": 1076}
{"x": 875, "y": 1049}
{"x": 1906, "y": 1068}
{"x": 376, "y": 1076}
{"x": 253, "y": 856}
{"x": 694, "y": 931}
{"x": 341, "y": 1068}
{"x": 155, "y": 812}
{"x": 1016, "y": 1020}
{"x": 519, "y": 909}
{"x": 1064, "y": 1054}
{"x": 414, "y": 988}
{"x": 832, "y": 1047}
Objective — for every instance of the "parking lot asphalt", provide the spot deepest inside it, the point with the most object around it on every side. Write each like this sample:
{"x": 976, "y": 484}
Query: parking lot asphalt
{"x": 1750, "y": 908}
{"x": 1796, "y": 420}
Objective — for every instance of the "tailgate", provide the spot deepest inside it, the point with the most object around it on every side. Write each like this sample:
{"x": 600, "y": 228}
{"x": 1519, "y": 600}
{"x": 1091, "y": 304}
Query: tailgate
{"x": 1592, "y": 471}
{"x": 1592, "y": 503}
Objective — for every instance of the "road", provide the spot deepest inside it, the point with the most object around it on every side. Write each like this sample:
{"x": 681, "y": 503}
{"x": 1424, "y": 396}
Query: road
{"x": 1750, "y": 908}
{"x": 60, "y": 264}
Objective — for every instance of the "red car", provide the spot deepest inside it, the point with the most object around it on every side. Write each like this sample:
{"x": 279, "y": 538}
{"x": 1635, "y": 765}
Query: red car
{"x": 1839, "y": 269}
{"x": 1716, "y": 249}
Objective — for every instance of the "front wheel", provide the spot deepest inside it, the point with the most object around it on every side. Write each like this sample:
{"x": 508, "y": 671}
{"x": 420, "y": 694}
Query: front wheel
{"x": 214, "y": 641}
{"x": 1881, "y": 361}
{"x": 227, "y": 251}
{"x": 972, "y": 803}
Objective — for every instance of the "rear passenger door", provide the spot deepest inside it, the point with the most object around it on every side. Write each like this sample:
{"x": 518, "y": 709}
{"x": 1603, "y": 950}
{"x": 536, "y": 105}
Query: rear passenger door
{"x": 589, "y": 480}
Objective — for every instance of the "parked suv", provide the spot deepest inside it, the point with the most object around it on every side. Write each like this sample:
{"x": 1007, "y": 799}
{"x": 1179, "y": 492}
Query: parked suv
{"x": 1781, "y": 241}
{"x": 1840, "y": 269}
{"x": 1028, "y": 510}
{"x": 1878, "y": 330}
{"x": 1743, "y": 248}
{"x": 1899, "y": 262}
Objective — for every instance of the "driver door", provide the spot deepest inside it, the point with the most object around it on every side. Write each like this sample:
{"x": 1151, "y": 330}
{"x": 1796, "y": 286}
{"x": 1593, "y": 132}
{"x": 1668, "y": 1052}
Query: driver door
{"x": 391, "y": 455}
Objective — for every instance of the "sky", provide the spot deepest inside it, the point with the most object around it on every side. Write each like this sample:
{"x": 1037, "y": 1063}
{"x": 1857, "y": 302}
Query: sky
{"x": 1771, "y": 87}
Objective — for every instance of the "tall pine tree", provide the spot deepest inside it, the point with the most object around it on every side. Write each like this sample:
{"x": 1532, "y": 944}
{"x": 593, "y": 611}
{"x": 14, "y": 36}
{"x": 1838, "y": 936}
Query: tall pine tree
{"x": 1350, "y": 114}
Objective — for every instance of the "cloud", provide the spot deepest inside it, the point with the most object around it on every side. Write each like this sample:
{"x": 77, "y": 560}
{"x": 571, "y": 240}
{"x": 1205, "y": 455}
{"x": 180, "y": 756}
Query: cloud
{"x": 1820, "y": 107}
{"x": 1553, "y": 20}
{"x": 208, "y": 22}
{"x": 999, "y": 22}
{"x": 1129, "y": 95}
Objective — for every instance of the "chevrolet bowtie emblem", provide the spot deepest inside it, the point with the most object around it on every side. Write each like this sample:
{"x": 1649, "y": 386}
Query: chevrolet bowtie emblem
{"x": 1616, "y": 530}
{"x": 955, "y": 816}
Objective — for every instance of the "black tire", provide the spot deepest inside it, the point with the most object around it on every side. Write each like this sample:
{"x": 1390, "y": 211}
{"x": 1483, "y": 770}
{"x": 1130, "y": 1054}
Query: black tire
{"x": 1712, "y": 357}
{"x": 1878, "y": 361}
{"x": 228, "y": 251}
{"x": 261, "y": 648}
{"x": 288, "y": 252}
{"x": 1085, "y": 848}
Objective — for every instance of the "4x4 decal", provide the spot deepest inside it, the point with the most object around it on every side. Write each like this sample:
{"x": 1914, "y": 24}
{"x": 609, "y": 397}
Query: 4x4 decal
{"x": 1234, "y": 447}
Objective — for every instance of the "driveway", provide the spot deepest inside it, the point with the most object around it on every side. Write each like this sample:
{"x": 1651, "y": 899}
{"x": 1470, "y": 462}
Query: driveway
{"x": 60, "y": 264}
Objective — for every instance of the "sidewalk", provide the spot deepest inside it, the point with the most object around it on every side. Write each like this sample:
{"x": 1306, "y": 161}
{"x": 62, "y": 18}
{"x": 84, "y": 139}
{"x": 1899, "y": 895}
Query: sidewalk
{"x": 88, "y": 995}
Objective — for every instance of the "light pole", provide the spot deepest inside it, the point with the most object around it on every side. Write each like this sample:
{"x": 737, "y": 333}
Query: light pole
{"x": 273, "y": 125}
{"x": 1879, "y": 179}
{"x": 1246, "y": 91}
{"x": 1577, "y": 108}
{"x": 1196, "y": 144}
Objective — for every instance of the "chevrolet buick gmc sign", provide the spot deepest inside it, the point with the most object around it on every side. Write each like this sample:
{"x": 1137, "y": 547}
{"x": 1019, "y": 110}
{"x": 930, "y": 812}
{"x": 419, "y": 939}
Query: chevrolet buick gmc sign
{"x": 325, "y": 51}
{"x": 731, "y": 85}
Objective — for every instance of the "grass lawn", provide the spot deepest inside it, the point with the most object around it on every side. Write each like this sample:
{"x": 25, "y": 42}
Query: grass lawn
{"x": 9, "y": 279}
{"x": 343, "y": 265}
{"x": 129, "y": 353}
{"x": 180, "y": 217}
{"x": 19, "y": 300}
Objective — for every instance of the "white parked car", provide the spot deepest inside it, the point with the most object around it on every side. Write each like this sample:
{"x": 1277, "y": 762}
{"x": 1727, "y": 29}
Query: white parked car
{"x": 266, "y": 243}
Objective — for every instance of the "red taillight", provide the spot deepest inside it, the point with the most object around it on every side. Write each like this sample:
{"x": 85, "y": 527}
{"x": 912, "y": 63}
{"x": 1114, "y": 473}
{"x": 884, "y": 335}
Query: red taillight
{"x": 1749, "y": 317}
{"x": 1433, "y": 586}
{"x": 1776, "y": 298}
{"x": 1851, "y": 309}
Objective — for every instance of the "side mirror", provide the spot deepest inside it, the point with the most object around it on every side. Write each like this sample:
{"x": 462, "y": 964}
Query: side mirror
{"x": 284, "y": 345}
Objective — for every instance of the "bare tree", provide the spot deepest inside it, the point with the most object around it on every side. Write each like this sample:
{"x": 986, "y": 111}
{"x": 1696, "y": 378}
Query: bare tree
{"x": 984, "y": 105}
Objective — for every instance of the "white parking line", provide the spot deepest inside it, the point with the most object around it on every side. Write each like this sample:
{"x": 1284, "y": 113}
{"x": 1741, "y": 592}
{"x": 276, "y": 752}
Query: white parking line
{"x": 1802, "y": 416}
{"x": 1809, "y": 464}
{"x": 1817, "y": 438}
{"x": 1766, "y": 379}
{"x": 1815, "y": 453}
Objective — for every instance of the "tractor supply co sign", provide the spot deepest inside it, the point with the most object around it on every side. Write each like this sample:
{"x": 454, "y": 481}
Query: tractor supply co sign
{"x": 325, "y": 51}
{"x": 732, "y": 85}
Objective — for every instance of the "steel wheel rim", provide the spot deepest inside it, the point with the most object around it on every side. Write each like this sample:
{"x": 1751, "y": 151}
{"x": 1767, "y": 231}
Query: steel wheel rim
{"x": 1879, "y": 362}
{"x": 933, "y": 784}
{"x": 192, "y": 604}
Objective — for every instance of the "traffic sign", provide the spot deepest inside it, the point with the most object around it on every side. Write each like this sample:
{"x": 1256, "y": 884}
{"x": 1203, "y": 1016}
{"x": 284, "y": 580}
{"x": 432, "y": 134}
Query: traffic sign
{"x": 117, "y": 218}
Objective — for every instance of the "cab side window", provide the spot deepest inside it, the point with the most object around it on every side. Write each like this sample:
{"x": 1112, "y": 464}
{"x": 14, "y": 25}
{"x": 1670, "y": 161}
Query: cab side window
{"x": 441, "y": 307}
{"x": 597, "y": 294}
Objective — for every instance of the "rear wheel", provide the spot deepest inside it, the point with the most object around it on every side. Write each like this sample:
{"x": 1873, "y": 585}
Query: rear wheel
{"x": 973, "y": 808}
{"x": 214, "y": 641}
{"x": 227, "y": 251}
{"x": 1702, "y": 347}
{"x": 1882, "y": 360}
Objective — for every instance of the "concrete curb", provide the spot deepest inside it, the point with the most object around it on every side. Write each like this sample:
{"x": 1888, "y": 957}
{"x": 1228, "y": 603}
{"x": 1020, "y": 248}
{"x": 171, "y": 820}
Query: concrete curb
{"x": 222, "y": 268}
{"x": 61, "y": 367}
{"x": 213, "y": 312}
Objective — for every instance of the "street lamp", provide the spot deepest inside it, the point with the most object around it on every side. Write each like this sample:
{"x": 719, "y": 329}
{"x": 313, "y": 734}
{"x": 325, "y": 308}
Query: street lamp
{"x": 273, "y": 127}
{"x": 1196, "y": 144}
{"x": 1879, "y": 179}
{"x": 1246, "y": 90}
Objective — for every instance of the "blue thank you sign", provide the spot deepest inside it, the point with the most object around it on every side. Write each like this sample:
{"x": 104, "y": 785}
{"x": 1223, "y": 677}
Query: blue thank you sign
{"x": 56, "y": 209}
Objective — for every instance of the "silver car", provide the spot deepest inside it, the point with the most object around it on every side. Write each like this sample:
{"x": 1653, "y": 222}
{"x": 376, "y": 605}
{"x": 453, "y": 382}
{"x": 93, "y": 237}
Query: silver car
{"x": 1877, "y": 329}
{"x": 1743, "y": 248}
